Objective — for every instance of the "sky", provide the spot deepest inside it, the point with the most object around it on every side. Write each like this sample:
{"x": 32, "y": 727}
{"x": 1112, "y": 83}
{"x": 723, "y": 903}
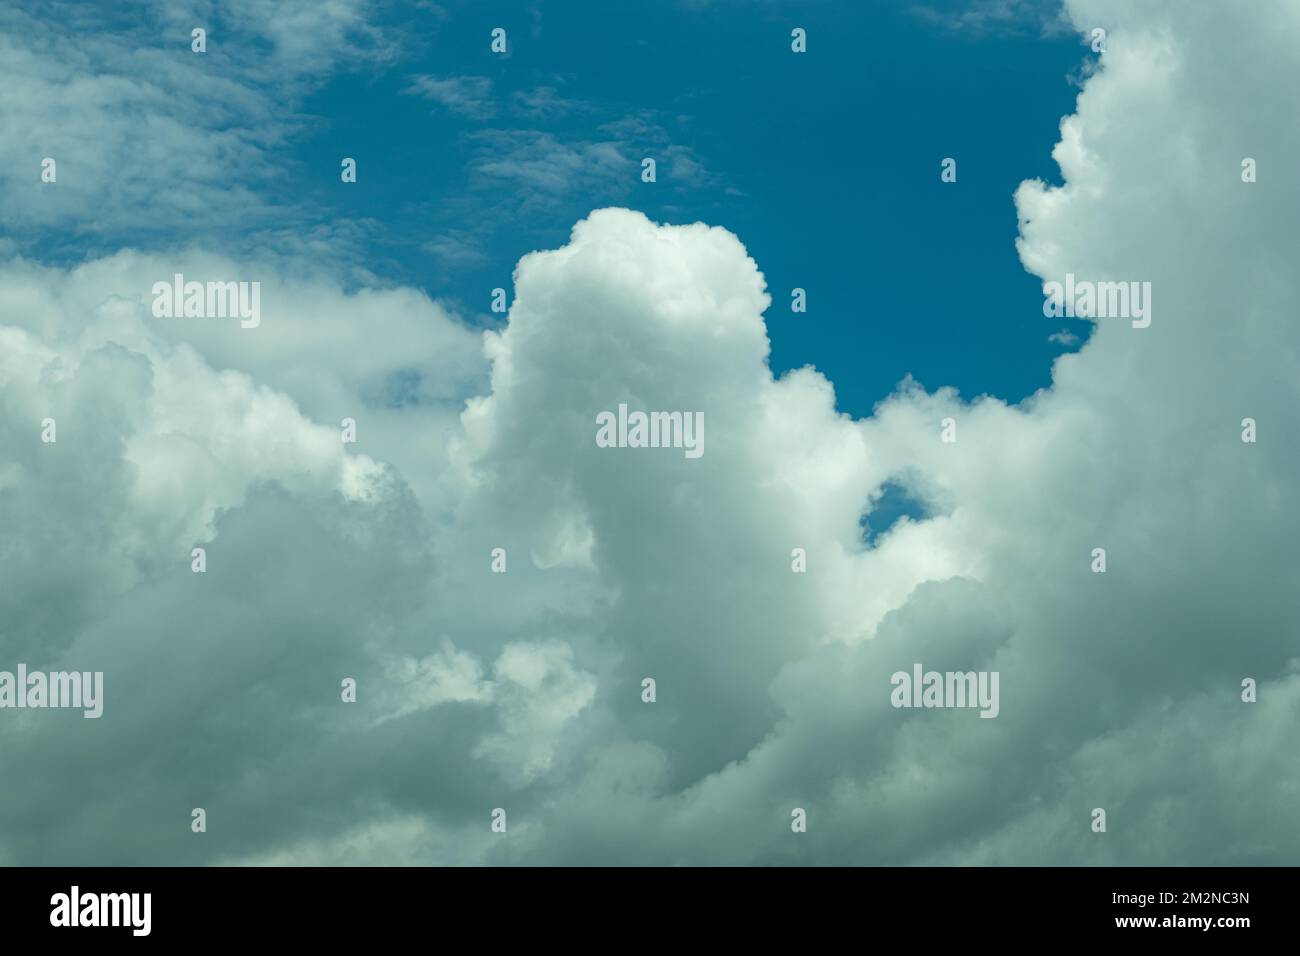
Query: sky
{"x": 943, "y": 457}
{"x": 780, "y": 148}
{"x": 469, "y": 160}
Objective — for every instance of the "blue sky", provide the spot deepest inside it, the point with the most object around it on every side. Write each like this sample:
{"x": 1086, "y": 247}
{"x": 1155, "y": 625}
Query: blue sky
{"x": 825, "y": 164}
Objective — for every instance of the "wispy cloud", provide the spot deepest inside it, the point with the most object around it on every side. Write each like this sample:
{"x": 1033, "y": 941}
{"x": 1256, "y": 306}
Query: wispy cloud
{"x": 147, "y": 133}
{"x": 544, "y": 102}
{"x": 467, "y": 96}
{"x": 546, "y": 165}
{"x": 1042, "y": 17}
{"x": 457, "y": 249}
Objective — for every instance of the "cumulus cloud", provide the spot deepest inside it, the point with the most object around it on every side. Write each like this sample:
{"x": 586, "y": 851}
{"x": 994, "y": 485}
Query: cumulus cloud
{"x": 389, "y": 357}
{"x": 522, "y": 690}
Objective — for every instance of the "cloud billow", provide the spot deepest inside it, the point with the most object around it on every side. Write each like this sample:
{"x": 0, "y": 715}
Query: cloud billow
{"x": 523, "y": 690}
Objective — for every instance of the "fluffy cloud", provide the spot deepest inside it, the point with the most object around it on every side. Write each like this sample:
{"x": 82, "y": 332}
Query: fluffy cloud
{"x": 523, "y": 690}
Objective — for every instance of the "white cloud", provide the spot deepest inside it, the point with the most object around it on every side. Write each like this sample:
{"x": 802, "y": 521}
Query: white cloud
{"x": 147, "y": 134}
{"x": 1117, "y": 690}
{"x": 1042, "y": 17}
{"x": 539, "y": 693}
{"x": 393, "y": 360}
{"x": 468, "y": 96}
{"x": 550, "y": 168}
{"x": 545, "y": 102}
